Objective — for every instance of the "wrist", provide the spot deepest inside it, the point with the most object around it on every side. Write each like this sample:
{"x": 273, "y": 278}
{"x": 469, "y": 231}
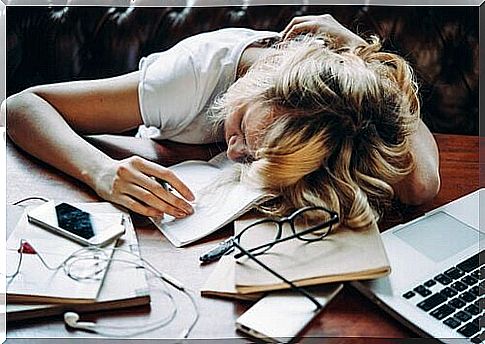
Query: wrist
{"x": 95, "y": 174}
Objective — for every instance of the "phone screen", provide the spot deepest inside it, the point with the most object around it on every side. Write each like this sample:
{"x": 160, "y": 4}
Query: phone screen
{"x": 74, "y": 220}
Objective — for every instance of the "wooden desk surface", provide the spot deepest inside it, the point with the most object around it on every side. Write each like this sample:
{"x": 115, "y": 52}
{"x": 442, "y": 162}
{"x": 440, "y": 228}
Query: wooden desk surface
{"x": 348, "y": 315}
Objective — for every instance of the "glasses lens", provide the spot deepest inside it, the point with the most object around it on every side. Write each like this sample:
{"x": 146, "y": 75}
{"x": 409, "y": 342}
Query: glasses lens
{"x": 257, "y": 238}
{"x": 312, "y": 218}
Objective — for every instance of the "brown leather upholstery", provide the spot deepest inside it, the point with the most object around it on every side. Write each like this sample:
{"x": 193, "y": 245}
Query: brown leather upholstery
{"x": 50, "y": 44}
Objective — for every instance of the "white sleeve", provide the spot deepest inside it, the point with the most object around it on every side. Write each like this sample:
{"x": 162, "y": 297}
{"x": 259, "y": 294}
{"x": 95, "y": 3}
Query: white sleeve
{"x": 167, "y": 88}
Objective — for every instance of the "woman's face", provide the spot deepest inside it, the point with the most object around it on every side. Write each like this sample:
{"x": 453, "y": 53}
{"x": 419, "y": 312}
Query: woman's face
{"x": 243, "y": 130}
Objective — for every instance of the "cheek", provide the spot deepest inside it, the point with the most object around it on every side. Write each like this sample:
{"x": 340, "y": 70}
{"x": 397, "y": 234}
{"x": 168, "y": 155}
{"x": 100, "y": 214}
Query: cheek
{"x": 230, "y": 123}
{"x": 256, "y": 131}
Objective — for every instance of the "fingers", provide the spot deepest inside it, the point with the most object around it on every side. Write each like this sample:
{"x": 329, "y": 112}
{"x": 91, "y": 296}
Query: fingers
{"x": 293, "y": 22}
{"x": 160, "y": 192}
{"x": 153, "y": 202}
{"x": 137, "y": 206}
{"x": 300, "y": 28}
{"x": 134, "y": 187}
{"x": 165, "y": 174}
{"x": 313, "y": 24}
{"x": 323, "y": 24}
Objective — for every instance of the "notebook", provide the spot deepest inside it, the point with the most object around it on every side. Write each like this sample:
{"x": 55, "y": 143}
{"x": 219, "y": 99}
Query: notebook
{"x": 221, "y": 282}
{"x": 124, "y": 286}
{"x": 438, "y": 263}
{"x": 220, "y": 198}
{"x": 35, "y": 282}
{"x": 344, "y": 255}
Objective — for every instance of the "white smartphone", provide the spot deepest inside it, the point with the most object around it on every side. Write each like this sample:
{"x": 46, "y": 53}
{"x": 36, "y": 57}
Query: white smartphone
{"x": 279, "y": 317}
{"x": 76, "y": 224}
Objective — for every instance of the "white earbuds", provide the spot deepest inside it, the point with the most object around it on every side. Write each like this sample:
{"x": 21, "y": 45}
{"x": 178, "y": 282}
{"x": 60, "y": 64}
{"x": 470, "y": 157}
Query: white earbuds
{"x": 72, "y": 320}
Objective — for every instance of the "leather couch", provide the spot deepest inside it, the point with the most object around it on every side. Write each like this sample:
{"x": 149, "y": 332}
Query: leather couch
{"x": 58, "y": 43}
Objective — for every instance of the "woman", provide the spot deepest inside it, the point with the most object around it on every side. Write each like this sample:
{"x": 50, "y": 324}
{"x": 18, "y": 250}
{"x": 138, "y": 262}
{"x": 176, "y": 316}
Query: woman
{"x": 327, "y": 120}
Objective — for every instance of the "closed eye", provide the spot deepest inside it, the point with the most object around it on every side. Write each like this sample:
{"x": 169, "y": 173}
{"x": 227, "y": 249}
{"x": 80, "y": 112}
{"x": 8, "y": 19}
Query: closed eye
{"x": 242, "y": 127}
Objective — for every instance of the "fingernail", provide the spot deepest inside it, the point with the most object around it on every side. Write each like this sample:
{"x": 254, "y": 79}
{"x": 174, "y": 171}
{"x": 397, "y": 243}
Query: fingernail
{"x": 189, "y": 210}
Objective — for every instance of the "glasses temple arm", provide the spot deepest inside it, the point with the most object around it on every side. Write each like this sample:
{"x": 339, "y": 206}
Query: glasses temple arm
{"x": 291, "y": 284}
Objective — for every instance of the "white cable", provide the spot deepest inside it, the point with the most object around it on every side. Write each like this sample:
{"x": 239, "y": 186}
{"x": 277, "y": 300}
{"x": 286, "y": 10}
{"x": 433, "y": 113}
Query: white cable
{"x": 80, "y": 256}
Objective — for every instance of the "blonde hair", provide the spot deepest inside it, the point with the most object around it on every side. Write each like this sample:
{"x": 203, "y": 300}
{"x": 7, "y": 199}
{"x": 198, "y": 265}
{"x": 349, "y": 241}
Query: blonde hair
{"x": 342, "y": 121}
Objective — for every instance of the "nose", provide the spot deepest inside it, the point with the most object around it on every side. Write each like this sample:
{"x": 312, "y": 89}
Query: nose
{"x": 237, "y": 149}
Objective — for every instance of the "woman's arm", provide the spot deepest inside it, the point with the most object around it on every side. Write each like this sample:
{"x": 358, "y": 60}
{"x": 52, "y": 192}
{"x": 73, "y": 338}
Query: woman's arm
{"x": 46, "y": 122}
{"x": 423, "y": 183}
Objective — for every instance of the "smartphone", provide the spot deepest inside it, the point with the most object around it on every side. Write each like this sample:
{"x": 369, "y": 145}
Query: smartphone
{"x": 76, "y": 224}
{"x": 280, "y": 316}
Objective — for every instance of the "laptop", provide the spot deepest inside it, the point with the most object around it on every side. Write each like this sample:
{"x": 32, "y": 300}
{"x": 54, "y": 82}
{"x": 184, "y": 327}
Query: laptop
{"x": 437, "y": 286}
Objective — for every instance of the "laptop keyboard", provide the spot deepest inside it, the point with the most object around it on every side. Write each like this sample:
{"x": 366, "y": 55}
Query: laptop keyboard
{"x": 456, "y": 297}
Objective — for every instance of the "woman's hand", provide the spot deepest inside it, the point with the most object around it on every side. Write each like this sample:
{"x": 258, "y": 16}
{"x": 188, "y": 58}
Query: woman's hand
{"x": 131, "y": 183}
{"x": 322, "y": 24}
{"x": 46, "y": 121}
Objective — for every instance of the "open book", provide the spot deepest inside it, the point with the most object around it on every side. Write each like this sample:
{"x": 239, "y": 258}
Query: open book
{"x": 220, "y": 198}
{"x": 124, "y": 285}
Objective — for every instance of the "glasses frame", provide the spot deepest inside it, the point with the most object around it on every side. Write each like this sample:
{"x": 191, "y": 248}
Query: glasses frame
{"x": 235, "y": 242}
{"x": 296, "y": 235}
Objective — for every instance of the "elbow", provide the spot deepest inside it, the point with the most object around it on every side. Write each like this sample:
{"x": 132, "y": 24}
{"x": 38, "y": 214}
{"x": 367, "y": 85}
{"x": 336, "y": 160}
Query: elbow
{"x": 15, "y": 109}
{"x": 3, "y": 113}
{"x": 422, "y": 191}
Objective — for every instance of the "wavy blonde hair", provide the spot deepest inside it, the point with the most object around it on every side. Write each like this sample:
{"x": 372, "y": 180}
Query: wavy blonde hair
{"x": 342, "y": 118}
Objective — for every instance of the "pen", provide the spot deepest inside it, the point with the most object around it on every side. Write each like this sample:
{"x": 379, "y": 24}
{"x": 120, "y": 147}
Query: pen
{"x": 218, "y": 251}
{"x": 166, "y": 185}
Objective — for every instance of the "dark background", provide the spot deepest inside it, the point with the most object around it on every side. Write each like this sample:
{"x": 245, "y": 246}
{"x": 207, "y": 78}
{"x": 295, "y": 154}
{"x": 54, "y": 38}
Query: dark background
{"x": 59, "y": 43}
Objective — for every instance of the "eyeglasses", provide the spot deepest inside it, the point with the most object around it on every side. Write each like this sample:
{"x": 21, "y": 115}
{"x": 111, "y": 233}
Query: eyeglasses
{"x": 307, "y": 224}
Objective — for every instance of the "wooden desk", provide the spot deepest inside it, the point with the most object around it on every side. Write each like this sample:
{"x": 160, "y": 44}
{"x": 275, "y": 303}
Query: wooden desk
{"x": 348, "y": 315}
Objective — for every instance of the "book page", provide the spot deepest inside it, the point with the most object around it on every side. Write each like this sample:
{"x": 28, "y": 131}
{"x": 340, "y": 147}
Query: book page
{"x": 220, "y": 197}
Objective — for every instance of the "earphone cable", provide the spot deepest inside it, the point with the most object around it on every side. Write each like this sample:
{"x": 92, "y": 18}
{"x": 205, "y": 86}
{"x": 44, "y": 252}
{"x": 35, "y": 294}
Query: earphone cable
{"x": 80, "y": 255}
{"x": 29, "y": 199}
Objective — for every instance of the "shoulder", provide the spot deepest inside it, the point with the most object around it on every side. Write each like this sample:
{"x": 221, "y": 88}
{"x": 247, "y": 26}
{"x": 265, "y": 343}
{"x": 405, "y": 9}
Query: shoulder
{"x": 227, "y": 36}
{"x": 223, "y": 43}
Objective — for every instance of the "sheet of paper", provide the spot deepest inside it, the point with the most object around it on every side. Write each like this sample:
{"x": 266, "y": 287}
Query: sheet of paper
{"x": 219, "y": 199}
{"x": 125, "y": 285}
{"x": 35, "y": 281}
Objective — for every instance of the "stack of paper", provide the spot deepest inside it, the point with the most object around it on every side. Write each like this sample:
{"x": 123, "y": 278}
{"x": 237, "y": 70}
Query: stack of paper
{"x": 124, "y": 284}
{"x": 37, "y": 283}
{"x": 221, "y": 282}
